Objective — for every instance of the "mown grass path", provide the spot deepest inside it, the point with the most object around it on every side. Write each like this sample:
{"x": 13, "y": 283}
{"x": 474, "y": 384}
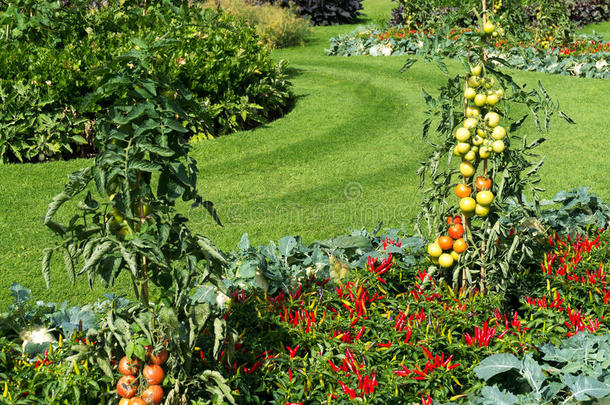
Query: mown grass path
{"x": 345, "y": 157}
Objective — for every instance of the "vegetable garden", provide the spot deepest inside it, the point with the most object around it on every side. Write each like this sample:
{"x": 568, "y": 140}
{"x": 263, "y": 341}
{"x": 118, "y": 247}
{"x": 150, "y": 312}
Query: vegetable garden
{"x": 497, "y": 295}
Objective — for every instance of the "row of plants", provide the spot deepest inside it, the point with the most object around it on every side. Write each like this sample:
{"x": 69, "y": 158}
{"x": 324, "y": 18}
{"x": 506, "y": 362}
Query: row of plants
{"x": 358, "y": 316}
{"x": 54, "y": 58}
{"x": 586, "y": 57}
{"x": 547, "y": 18}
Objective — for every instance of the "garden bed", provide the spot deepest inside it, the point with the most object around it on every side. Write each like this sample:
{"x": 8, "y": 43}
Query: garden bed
{"x": 587, "y": 57}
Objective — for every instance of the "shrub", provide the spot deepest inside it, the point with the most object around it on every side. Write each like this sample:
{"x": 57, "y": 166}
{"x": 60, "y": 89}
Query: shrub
{"x": 324, "y": 12}
{"x": 583, "y": 12}
{"x": 278, "y": 27}
{"x": 56, "y": 54}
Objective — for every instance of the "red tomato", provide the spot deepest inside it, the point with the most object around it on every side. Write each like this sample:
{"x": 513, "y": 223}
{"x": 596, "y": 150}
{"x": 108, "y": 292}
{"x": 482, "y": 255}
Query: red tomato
{"x": 456, "y": 231}
{"x": 457, "y": 220}
{"x": 127, "y": 386}
{"x": 153, "y": 395}
{"x": 160, "y": 358}
{"x": 129, "y": 366}
{"x": 483, "y": 183}
{"x": 153, "y": 374}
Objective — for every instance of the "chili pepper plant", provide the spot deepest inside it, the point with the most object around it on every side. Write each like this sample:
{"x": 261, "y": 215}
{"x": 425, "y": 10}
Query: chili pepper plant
{"x": 392, "y": 333}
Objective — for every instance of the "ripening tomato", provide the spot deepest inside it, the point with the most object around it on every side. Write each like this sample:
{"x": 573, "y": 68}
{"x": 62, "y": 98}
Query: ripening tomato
{"x": 483, "y": 183}
{"x": 456, "y": 231}
{"x": 137, "y": 401}
{"x": 153, "y": 395}
{"x": 459, "y": 245}
{"x": 159, "y": 358}
{"x": 124, "y": 401}
{"x": 153, "y": 374}
{"x": 445, "y": 242}
{"x": 129, "y": 366}
{"x": 127, "y": 386}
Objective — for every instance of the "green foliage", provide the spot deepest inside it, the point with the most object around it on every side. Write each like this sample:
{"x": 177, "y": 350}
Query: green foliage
{"x": 53, "y": 55}
{"x": 576, "y": 370}
{"x": 278, "y": 27}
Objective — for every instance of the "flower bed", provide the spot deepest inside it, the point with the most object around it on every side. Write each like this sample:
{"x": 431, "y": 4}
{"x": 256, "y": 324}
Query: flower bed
{"x": 588, "y": 57}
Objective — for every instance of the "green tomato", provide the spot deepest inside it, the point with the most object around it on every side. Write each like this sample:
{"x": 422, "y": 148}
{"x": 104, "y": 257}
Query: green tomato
{"x": 462, "y": 134}
{"x": 462, "y": 148}
{"x": 492, "y": 99}
{"x": 474, "y": 81}
{"x": 469, "y": 93}
{"x": 470, "y": 155}
{"x": 481, "y": 210}
{"x": 498, "y": 133}
{"x": 498, "y": 146}
{"x": 480, "y": 100}
{"x": 470, "y": 123}
{"x": 476, "y": 70}
{"x": 484, "y": 152}
{"x": 492, "y": 119}
{"x": 488, "y": 27}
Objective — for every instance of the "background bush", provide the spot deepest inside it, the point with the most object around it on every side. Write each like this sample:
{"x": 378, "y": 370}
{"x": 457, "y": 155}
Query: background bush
{"x": 324, "y": 12}
{"x": 516, "y": 13}
{"x": 54, "y": 55}
{"x": 276, "y": 26}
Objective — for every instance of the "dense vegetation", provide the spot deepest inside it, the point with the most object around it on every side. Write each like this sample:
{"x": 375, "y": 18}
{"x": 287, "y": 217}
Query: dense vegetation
{"x": 510, "y": 305}
{"x": 55, "y": 56}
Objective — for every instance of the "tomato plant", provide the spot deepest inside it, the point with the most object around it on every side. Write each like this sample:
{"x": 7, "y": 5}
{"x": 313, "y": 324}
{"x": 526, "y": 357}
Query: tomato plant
{"x": 474, "y": 124}
{"x": 127, "y": 221}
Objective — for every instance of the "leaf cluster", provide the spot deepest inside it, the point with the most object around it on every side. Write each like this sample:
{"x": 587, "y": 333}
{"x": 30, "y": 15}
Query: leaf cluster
{"x": 55, "y": 56}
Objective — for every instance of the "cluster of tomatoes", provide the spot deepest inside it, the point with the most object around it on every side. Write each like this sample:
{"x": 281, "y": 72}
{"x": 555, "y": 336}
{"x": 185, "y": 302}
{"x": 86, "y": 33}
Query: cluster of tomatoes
{"x": 446, "y": 249}
{"x": 480, "y": 134}
{"x": 153, "y": 374}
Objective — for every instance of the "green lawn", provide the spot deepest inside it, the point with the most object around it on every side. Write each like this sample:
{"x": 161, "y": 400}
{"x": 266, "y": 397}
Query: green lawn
{"x": 345, "y": 157}
{"x": 603, "y": 29}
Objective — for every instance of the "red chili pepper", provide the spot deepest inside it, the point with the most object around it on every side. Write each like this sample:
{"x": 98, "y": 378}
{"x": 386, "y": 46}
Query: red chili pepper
{"x": 332, "y": 365}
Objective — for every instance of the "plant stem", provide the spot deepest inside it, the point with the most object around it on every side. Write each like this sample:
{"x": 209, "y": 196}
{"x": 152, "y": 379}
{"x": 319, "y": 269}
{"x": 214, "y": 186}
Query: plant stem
{"x": 144, "y": 298}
